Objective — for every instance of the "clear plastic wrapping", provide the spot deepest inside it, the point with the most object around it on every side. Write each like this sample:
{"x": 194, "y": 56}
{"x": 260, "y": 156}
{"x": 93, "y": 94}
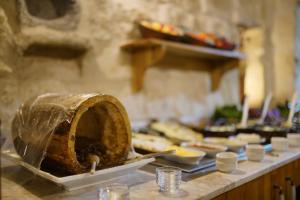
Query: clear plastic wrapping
{"x": 36, "y": 120}
{"x": 53, "y": 126}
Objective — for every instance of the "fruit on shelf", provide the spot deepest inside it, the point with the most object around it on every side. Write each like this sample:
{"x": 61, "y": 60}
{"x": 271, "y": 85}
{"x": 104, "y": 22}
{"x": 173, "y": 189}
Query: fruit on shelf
{"x": 208, "y": 39}
{"x": 164, "y": 28}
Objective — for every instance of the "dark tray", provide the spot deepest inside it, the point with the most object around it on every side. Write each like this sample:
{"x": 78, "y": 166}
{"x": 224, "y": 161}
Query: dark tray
{"x": 151, "y": 33}
{"x": 208, "y": 133}
{"x": 269, "y": 134}
{"x": 249, "y": 129}
{"x": 258, "y": 129}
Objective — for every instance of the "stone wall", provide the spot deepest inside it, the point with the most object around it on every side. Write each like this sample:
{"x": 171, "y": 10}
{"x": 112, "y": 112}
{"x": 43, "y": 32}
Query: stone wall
{"x": 298, "y": 52}
{"x": 105, "y": 69}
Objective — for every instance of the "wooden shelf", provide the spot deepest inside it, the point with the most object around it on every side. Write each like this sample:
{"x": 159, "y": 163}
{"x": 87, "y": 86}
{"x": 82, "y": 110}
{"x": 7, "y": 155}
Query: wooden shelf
{"x": 147, "y": 52}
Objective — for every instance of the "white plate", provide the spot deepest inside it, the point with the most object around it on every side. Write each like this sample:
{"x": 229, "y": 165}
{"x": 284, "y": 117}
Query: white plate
{"x": 79, "y": 181}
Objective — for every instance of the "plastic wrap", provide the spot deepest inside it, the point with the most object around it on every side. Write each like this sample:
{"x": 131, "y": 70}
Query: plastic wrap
{"x": 55, "y": 130}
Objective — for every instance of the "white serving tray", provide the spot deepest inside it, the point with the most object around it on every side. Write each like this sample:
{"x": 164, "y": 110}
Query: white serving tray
{"x": 79, "y": 181}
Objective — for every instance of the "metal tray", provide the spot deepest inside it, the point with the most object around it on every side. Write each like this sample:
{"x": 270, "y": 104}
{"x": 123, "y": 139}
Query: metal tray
{"x": 79, "y": 181}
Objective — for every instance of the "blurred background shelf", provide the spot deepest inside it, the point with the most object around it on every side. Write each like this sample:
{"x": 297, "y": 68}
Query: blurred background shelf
{"x": 147, "y": 52}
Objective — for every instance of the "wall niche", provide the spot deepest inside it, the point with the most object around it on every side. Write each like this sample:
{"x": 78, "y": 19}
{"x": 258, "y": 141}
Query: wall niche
{"x": 47, "y": 28}
{"x": 57, "y": 14}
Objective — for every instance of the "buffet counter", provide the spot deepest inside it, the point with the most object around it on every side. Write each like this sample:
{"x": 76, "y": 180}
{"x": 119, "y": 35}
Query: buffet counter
{"x": 252, "y": 180}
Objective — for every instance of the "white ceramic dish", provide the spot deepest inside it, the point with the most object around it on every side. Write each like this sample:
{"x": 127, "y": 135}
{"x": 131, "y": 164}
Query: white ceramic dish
{"x": 235, "y": 145}
{"x": 227, "y": 157}
{"x": 226, "y": 161}
{"x": 255, "y": 152}
{"x": 189, "y": 160}
{"x": 210, "y": 149}
{"x": 79, "y": 181}
{"x": 293, "y": 139}
{"x": 226, "y": 167}
{"x": 279, "y": 143}
{"x": 255, "y": 157}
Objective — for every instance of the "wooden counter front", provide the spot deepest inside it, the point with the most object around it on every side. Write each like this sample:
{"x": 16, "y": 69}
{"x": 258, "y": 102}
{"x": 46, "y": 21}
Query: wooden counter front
{"x": 269, "y": 186}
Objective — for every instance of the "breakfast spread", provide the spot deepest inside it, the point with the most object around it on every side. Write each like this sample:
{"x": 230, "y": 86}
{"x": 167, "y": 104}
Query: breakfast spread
{"x": 210, "y": 149}
{"x": 150, "y": 143}
{"x": 177, "y": 132}
{"x": 184, "y": 152}
{"x": 250, "y": 138}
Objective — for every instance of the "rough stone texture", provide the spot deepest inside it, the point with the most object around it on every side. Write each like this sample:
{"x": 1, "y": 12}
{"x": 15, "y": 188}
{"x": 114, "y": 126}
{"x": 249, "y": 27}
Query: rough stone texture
{"x": 105, "y": 69}
{"x": 62, "y": 15}
{"x": 298, "y": 52}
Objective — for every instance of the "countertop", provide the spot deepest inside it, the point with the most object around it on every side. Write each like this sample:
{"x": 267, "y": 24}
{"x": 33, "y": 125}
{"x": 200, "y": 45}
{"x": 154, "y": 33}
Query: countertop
{"x": 142, "y": 184}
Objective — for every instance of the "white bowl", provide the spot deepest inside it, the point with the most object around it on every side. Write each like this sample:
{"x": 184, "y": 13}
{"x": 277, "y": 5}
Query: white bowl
{"x": 227, "y": 157}
{"x": 235, "y": 145}
{"x": 255, "y": 152}
{"x": 279, "y": 143}
{"x": 226, "y": 167}
{"x": 210, "y": 149}
{"x": 189, "y": 160}
{"x": 255, "y": 148}
{"x": 294, "y": 139}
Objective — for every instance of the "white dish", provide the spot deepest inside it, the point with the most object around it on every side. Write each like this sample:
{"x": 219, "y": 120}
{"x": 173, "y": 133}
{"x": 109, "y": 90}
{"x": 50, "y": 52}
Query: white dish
{"x": 226, "y": 161}
{"x": 279, "y": 143}
{"x": 227, "y": 157}
{"x": 79, "y": 181}
{"x": 255, "y": 157}
{"x": 189, "y": 160}
{"x": 236, "y": 145}
{"x": 225, "y": 167}
{"x": 294, "y": 139}
{"x": 210, "y": 149}
{"x": 255, "y": 148}
{"x": 255, "y": 152}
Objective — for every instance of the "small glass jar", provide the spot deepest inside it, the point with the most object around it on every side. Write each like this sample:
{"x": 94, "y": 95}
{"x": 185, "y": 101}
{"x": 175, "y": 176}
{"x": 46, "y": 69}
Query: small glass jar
{"x": 114, "y": 192}
{"x": 168, "y": 179}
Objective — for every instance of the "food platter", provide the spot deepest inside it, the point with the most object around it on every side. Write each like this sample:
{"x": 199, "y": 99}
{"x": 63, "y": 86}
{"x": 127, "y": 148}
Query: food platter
{"x": 145, "y": 143}
{"x": 232, "y": 144}
{"x": 251, "y": 138}
{"x": 176, "y": 132}
{"x": 79, "y": 181}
